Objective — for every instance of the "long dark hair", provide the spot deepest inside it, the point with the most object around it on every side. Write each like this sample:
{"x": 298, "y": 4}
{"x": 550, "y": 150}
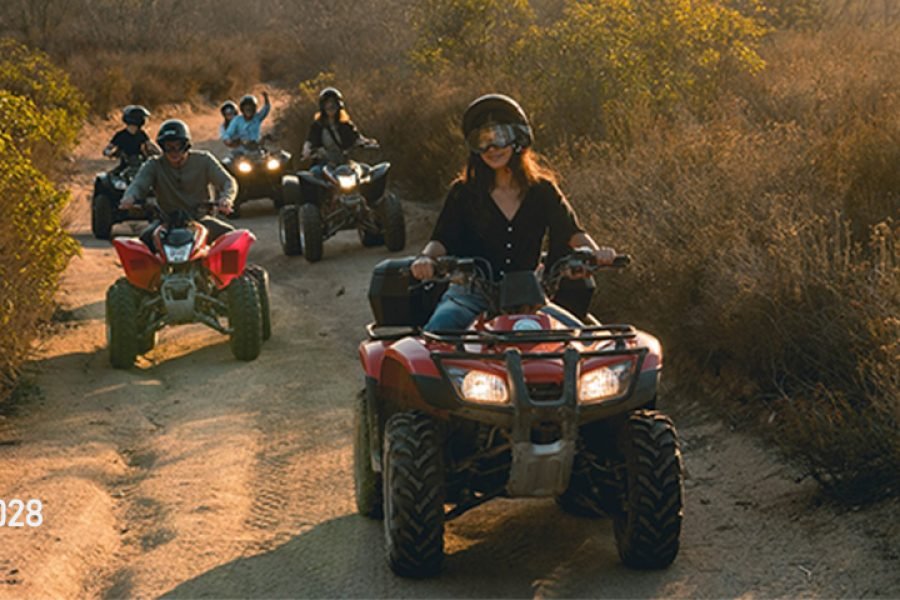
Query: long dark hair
{"x": 342, "y": 116}
{"x": 528, "y": 168}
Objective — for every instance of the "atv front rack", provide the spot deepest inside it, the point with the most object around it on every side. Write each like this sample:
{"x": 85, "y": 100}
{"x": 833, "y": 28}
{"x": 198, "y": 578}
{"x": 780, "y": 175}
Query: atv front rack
{"x": 618, "y": 333}
{"x": 589, "y": 334}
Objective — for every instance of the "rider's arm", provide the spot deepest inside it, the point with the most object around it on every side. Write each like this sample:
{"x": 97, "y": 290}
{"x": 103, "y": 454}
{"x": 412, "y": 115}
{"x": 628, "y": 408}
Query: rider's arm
{"x": 445, "y": 238}
{"x": 604, "y": 255}
{"x": 264, "y": 111}
{"x": 223, "y": 182}
{"x": 140, "y": 185}
{"x": 149, "y": 148}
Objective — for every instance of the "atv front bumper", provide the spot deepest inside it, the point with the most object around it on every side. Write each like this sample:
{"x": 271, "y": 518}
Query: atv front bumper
{"x": 539, "y": 467}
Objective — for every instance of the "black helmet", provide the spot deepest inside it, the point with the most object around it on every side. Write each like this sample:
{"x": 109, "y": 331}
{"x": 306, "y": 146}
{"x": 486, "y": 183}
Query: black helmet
{"x": 173, "y": 130}
{"x": 331, "y": 92}
{"x": 228, "y": 104}
{"x": 135, "y": 115}
{"x": 249, "y": 99}
{"x": 496, "y": 109}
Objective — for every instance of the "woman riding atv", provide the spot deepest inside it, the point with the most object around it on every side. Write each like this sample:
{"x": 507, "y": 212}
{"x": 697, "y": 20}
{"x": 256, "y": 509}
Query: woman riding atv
{"x": 131, "y": 142}
{"x": 499, "y": 209}
{"x": 330, "y": 135}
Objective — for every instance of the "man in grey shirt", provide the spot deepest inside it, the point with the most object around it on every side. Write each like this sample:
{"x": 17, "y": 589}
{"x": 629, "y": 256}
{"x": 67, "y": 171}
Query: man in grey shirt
{"x": 181, "y": 178}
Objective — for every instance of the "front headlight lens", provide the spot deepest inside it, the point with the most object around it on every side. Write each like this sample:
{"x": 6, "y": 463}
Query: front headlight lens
{"x": 245, "y": 167}
{"x": 347, "y": 182}
{"x": 604, "y": 383}
{"x": 478, "y": 386}
{"x": 120, "y": 184}
{"x": 177, "y": 254}
{"x": 273, "y": 164}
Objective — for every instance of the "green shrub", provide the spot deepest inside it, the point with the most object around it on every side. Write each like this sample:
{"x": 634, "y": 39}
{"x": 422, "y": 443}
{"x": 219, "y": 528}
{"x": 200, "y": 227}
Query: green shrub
{"x": 40, "y": 116}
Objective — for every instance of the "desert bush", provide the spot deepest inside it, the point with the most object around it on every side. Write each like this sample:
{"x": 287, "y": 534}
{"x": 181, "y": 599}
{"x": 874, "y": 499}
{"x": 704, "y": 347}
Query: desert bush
{"x": 766, "y": 246}
{"x": 40, "y": 116}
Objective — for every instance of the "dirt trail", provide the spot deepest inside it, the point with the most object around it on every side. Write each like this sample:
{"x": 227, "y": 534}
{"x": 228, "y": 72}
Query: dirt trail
{"x": 198, "y": 475}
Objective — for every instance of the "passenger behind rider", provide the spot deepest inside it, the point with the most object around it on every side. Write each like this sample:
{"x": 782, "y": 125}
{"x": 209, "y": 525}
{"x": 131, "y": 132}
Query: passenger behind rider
{"x": 330, "y": 135}
{"x": 229, "y": 111}
{"x": 132, "y": 141}
{"x": 180, "y": 180}
{"x": 247, "y": 126}
{"x": 500, "y": 208}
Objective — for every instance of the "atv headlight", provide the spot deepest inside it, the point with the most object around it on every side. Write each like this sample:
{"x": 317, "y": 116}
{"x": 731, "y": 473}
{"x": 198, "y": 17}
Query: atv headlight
{"x": 177, "y": 254}
{"x": 604, "y": 383}
{"x": 478, "y": 386}
{"x": 273, "y": 164}
{"x": 347, "y": 182}
{"x": 120, "y": 184}
{"x": 244, "y": 167}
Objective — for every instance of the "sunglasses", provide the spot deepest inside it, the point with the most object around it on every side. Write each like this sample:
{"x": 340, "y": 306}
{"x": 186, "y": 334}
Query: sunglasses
{"x": 174, "y": 147}
{"x": 498, "y": 136}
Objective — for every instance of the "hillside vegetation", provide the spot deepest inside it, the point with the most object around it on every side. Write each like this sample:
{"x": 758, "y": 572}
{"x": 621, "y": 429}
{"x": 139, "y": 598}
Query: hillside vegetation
{"x": 745, "y": 152}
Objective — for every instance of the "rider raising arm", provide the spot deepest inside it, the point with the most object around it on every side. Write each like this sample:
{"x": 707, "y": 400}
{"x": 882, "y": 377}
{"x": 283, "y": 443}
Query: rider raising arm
{"x": 247, "y": 126}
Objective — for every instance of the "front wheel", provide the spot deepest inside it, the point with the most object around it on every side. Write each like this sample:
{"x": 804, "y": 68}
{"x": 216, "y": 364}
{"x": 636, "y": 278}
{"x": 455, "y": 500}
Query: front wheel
{"x": 648, "y": 529}
{"x": 289, "y": 230}
{"x": 122, "y": 306}
{"x": 312, "y": 226}
{"x": 413, "y": 484}
{"x": 244, "y": 318}
{"x": 366, "y": 482}
{"x": 101, "y": 217}
{"x": 394, "y": 223}
{"x": 261, "y": 277}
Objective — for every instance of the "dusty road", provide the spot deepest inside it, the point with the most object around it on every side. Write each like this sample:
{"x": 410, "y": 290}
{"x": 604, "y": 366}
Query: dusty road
{"x": 197, "y": 475}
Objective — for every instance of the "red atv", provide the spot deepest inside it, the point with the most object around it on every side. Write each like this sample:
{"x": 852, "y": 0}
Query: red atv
{"x": 518, "y": 405}
{"x": 186, "y": 280}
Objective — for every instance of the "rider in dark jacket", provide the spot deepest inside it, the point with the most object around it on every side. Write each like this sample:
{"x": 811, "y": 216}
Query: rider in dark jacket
{"x": 131, "y": 141}
{"x": 331, "y": 134}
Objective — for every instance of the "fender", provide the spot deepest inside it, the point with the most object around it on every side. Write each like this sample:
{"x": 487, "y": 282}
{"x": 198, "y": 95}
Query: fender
{"x": 379, "y": 170}
{"x": 310, "y": 178}
{"x": 371, "y": 355}
{"x": 142, "y": 267}
{"x": 227, "y": 256}
{"x": 654, "y": 358}
{"x": 414, "y": 357}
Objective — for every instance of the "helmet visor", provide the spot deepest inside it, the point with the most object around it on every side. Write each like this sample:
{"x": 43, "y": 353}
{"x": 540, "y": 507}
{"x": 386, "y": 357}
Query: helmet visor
{"x": 499, "y": 136}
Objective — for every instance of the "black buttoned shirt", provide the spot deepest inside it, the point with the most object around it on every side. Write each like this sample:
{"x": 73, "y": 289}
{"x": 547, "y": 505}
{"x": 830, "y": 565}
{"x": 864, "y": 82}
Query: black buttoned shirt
{"x": 472, "y": 225}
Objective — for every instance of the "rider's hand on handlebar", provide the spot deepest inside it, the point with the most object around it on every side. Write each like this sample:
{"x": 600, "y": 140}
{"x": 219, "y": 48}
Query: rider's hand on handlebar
{"x": 224, "y": 207}
{"x": 423, "y": 268}
{"x": 604, "y": 256}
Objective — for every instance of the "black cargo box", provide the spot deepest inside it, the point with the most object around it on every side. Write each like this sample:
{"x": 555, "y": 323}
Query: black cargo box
{"x": 399, "y": 299}
{"x": 575, "y": 296}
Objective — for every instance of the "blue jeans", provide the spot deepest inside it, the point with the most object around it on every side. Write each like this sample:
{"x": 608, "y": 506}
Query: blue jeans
{"x": 458, "y": 309}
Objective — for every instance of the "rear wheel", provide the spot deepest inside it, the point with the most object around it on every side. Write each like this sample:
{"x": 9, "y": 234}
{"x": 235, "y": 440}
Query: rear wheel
{"x": 413, "y": 484}
{"x": 648, "y": 529}
{"x": 367, "y": 483}
{"x": 289, "y": 230}
{"x": 312, "y": 240}
{"x": 394, "y": 223}
{"x": 244, "y": 318}
{"x": 261, "y": 277}
{"x": 122, "y": 306}
{"x": 101, "y": 217}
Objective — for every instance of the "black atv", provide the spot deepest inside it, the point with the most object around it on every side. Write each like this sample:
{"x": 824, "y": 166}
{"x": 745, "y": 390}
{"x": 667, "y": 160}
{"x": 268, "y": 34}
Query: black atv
{"x": 258, "y": 172}
{"x": 350, "y": 195}
{"x": 109, "y": 188}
